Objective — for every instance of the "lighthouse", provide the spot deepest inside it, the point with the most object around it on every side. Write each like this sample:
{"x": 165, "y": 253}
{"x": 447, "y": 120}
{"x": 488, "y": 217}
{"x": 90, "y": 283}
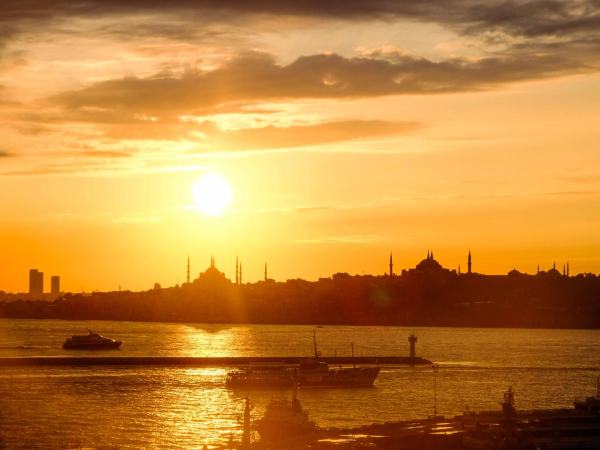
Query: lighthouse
{"x": 412, "y": 339}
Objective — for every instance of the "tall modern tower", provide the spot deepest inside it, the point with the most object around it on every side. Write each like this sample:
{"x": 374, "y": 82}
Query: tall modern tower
{"x": 469, "y": 262}
{"x": 55, "y": 285}
{"x": 188, "y": 271}
{"x": 36, "y": 282}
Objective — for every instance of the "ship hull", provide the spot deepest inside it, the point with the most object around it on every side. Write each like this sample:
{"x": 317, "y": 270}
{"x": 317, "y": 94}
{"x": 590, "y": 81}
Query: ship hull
{"x": 104, "y": 346}
{"x": 287, "y": 377}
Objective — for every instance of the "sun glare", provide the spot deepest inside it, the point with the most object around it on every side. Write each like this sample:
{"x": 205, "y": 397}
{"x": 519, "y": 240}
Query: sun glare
{"x": 212, "y": 194}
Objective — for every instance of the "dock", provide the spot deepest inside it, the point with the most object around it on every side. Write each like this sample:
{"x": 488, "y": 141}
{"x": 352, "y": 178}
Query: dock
{"x": 205, "y": 361}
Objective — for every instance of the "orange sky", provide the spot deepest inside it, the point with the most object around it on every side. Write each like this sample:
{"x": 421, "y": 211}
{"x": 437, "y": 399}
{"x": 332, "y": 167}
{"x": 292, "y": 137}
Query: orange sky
{"x": 346, "y": 129}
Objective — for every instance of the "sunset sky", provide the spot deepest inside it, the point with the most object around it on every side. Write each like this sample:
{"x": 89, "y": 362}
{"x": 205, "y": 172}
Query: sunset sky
{"x": 346, "y": 130}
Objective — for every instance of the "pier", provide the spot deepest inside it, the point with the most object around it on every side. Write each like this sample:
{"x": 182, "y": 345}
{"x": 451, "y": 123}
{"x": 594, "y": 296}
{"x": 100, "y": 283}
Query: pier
{"x": 201, "y": 361}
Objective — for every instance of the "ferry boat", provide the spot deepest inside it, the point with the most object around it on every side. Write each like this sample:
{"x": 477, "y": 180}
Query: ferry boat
{"x": 91, "y": 341}
{"x": 285, "y": 420}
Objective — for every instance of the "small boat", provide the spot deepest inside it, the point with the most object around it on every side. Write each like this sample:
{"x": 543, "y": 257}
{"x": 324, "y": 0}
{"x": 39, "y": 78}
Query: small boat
{"x": 91, "y": 341}
{"x": 285, "y": 420}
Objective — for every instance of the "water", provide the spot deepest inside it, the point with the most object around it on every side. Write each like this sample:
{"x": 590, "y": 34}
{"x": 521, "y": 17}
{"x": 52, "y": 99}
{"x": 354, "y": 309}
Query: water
{"x": 140, "y": 407}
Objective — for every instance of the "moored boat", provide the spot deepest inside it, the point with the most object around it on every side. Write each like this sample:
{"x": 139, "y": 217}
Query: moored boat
{"x": 285, "y": 420}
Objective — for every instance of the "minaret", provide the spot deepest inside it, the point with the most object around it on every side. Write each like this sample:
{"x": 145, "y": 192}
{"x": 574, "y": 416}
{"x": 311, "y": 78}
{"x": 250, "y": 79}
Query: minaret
{"x": 237, "y": 273}
{"x": 266, "y": 277}
{"x": 188, "y": 271}
{"x": 240, "y": 273}
{"x": 538, "y": 269}
{"x": 554, "y": 265}
{"x": 459, "y": 269}
{"x": 567, "y": 268}
{"x": 391, "y": 265}
{"x": 469, "y": 262}
{"x": 212, "y": 262}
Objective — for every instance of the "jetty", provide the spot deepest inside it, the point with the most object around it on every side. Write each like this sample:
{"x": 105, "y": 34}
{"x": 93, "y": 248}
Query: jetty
{"x": 202, "y": 361}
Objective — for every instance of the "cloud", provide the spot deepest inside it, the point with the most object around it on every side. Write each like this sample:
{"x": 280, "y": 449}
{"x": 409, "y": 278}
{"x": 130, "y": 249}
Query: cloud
{"x": 349, "y": 239}
{"x": 580, "y": 179}
{"x": 5, "y": 154}
{"x": 525, "y": 17}
{"x": 306, "y": 135}
{"x": 105, "y": 154}
{"x": 254, "y": 77}
{"x": 530, "y": 21}
{"x": 137, "y": 220}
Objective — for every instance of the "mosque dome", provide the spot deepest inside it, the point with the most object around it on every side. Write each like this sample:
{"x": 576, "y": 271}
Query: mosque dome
{"x": 429, "y": 263}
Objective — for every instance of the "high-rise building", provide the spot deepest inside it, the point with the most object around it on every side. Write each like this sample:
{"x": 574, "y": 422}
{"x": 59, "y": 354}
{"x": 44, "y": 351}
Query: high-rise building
{"x": 36, "y": 282}
{"x": 55, "y": 285}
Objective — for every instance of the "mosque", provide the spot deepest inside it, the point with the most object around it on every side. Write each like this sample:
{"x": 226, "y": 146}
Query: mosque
{"x": 430, "y": 265}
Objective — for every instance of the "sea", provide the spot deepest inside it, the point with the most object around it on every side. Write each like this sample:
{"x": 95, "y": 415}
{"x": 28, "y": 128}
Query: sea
{"x": 146, "y": 407}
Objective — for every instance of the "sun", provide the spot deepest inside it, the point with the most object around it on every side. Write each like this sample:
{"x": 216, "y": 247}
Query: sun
{"x": 212, "y": 194}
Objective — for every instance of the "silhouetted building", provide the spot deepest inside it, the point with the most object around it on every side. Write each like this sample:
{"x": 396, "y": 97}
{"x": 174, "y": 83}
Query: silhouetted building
{"x": 514, "y": 273}
{"x": 188, "y": 271}
{"x": 212, "y": 275}
{"x": 553, "y": 271}
{"x": 266, "y": 277}
{"x": 391, "y": 265}
{"x": 237, "y": 271}
{"x": 36, "y": 282}
{"x": 55, "y": 285}
{"x": 469, "y": 262}
{"x": 429, "y": 264}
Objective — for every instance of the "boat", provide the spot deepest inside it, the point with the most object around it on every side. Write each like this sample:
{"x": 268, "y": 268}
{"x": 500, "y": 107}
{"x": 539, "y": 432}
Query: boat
{"x": 578, "y": 427}
{"x": 91, "y": 341}
{"x": 285, "y": 420}
{"x": 310, "y": 372}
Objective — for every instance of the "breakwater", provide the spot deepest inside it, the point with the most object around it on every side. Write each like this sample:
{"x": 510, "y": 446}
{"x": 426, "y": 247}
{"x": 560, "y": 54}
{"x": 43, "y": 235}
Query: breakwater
{"x": 192, "y": 361}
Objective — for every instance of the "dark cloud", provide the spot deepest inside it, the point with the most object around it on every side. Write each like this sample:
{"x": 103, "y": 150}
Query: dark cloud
{"x": 5, "y": 154}
{"x": 524, "y": 17}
